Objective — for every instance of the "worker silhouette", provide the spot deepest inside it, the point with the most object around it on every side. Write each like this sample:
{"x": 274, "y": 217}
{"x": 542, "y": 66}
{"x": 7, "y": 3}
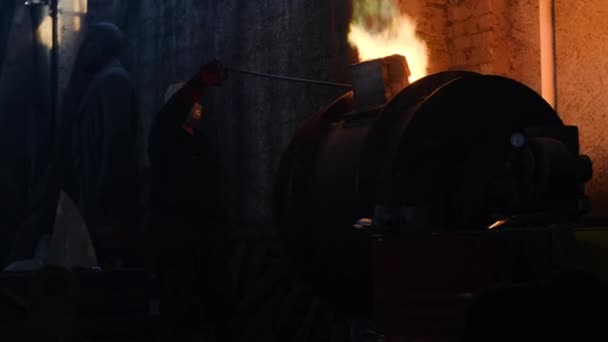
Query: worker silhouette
{"x": 188, "y": 237}
{"x": 95, "y": 159}
{"x": 181, "y": 158}
{"x": 99, "y": 142}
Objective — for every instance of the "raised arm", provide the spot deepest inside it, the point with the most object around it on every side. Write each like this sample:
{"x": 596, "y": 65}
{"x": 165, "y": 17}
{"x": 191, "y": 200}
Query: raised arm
{"x": 174, "y": 113}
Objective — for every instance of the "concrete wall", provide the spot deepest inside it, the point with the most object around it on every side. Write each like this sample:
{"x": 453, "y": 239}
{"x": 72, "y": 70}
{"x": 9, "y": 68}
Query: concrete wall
{"x": 432, "y": 25}
{"x": 475, "y": 36}
{"x": 582, "y": 76}
{"x": 522, "y": 42}
{"x": 495, "y": 37}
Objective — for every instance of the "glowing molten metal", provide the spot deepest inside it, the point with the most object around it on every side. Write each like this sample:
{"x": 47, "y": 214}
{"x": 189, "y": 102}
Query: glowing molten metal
{"x": 379, "y": 29}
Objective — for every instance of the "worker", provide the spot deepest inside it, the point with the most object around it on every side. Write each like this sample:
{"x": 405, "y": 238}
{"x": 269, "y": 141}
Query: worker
{"x": 177, "y": 146}
{"x": 99, "y": 129}
{"x": 189, "y": 239}
{"x": 94, "y": 156}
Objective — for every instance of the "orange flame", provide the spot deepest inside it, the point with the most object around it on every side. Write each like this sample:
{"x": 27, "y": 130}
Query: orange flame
{"x": 378, "y": 29}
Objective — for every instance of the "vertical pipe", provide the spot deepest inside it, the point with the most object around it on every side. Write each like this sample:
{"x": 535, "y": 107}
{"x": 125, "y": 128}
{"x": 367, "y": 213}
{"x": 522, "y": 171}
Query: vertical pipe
{"x": 54, "y": 69}
{"x": 547, "y": 51}
{"x": 335, "y": 46}
{"x": 41, "y": 99}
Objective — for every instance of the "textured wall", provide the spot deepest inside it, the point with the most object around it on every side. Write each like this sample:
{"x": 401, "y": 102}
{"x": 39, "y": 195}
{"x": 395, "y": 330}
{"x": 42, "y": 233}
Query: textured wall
{"x": 582, "y": 76}
{"x": 495, "y": 37}
{"x": 522, "y": 42}
{"x": 475, "y": 35}
{"x": 432, "y": 24}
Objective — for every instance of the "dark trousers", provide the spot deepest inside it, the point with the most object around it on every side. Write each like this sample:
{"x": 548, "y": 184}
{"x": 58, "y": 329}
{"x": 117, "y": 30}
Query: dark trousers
{"x": 192, "y": 262}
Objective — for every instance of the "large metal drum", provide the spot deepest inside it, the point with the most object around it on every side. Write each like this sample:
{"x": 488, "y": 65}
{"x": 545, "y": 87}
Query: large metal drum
{"x": 433, "y": 145}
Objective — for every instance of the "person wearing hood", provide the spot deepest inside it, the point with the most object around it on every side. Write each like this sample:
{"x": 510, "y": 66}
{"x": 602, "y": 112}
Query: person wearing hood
{"x": 98, "y": 143}
{"x": 188, "y": 237}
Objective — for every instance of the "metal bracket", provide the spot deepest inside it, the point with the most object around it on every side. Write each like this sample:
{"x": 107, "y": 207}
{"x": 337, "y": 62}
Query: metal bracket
{"x": 37, "y": 2}
{"x": 52, "y": 3}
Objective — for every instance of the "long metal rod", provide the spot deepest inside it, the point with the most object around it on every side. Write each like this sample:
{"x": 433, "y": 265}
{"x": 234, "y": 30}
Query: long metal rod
{"x": 547, "y": 52}
{"x": 54, "y": 69}
{"x": 290, "y": 79}
{"x": 40, "y": 123}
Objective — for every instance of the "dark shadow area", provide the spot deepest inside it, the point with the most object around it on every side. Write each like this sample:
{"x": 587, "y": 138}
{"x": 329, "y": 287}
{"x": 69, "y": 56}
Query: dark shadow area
{"x": 569, "y": 306}
{"x": 7, "y": 9}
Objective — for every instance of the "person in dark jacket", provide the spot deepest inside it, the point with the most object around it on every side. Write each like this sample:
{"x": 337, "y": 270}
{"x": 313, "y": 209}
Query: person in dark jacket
{"x": 99, "y": 140}
{"x": 95, "y": 158}
{"x": 189, "y": 239}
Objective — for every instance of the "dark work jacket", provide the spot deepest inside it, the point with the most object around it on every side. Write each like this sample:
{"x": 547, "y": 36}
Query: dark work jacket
{"x": 104, "y": 149}
{"x": 188, "y": 237}
{"x": 184, "y": 168}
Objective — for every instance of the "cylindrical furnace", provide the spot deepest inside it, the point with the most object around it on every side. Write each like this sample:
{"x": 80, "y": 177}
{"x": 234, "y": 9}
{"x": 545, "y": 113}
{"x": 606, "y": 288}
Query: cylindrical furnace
{"x": 452, "y": 151}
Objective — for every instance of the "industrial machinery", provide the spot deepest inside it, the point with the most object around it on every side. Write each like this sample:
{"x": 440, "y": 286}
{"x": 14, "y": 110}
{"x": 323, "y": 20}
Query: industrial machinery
{"x": 419, "y": 168}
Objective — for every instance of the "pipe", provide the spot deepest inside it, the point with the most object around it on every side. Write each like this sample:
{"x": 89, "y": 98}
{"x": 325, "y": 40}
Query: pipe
{"x": 547, "y": 51}
{"x": 41, "y": 84}
{"x": 54, "y": 69}
{"x": 290, "y": 79}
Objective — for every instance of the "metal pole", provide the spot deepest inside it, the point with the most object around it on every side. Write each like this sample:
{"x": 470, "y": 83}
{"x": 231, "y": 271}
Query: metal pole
{"x": 290, "y": 79}
{"x": 54, "y": 70}
{"x": 41, "y": 100}
{"x": 547, "y": 51}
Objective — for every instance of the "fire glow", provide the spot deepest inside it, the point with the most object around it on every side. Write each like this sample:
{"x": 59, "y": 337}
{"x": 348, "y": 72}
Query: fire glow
{"x": 379, "y": 29}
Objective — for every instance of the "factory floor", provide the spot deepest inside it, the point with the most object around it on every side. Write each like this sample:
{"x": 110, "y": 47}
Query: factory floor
{"x": 270, "y": 304}
{"x": 284, "y": 310}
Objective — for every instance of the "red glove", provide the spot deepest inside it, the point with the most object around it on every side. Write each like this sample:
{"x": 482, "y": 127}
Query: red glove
{"x": 211, "y": 74}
